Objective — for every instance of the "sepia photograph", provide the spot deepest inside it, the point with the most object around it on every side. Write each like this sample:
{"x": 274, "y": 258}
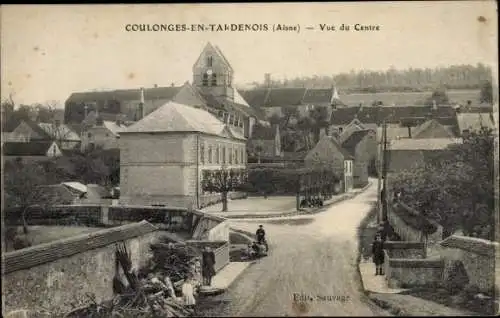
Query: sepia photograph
{"x": 250, "y": 159}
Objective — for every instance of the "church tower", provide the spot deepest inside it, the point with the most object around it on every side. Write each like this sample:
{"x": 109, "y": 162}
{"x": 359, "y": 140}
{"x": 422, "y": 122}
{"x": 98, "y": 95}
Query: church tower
{"x": 212, "y": 73}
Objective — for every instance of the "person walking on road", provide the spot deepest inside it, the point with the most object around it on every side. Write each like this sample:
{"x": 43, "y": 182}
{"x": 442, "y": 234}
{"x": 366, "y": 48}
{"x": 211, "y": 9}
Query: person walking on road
{"x": 378, "y": 254}
{"x": 261, "y": 236}
{"x": 208, "y": 268}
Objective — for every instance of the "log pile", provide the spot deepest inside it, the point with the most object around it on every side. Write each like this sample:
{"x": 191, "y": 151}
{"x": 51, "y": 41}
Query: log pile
{"x": 148, "y": 292}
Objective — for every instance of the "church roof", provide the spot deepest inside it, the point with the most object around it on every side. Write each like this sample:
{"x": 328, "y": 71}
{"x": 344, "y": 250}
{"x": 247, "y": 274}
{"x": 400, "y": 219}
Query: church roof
{"x": 175, "y": 117}
{"x": 125, "y": 94}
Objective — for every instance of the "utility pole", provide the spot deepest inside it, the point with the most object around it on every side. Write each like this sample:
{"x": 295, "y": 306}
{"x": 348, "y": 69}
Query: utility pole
{"x": 379, "y": 174}
{"x": 384, "y": 173}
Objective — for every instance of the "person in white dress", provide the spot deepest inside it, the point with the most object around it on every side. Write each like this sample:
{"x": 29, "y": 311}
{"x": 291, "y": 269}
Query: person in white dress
{"x": 188, "y": 293}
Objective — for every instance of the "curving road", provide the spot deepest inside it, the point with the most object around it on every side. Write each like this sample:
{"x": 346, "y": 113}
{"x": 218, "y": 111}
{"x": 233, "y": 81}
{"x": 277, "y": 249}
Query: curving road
{"x": 312, "y": 259}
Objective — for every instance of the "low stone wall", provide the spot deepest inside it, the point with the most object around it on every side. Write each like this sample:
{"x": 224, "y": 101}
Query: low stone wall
{"x": 406, "y": 272}
{"x": 90, "y": 215}
{"x": 59, "y": 275}
{"x": 402, "y": 249}
{"x": 478, "y": 256}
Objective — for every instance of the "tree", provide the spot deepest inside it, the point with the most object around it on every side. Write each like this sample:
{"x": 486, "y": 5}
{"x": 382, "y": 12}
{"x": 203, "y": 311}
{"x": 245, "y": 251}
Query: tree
{"x": 439, "y": 97}
{"x": 305, "y": 125}
{"x": 486, "y": 94}
{"x": 22, "y": 192}
{"x": 223, "y": 181}
{"x": 456, "y": 189}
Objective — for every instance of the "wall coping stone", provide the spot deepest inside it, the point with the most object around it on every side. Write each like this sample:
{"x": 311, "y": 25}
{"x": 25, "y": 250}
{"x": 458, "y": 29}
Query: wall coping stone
{"x": 390, "y": 245}
{"x": 471, "y": 244}
{"x": 66, "y": 247}
{"x": 415, "y": 263}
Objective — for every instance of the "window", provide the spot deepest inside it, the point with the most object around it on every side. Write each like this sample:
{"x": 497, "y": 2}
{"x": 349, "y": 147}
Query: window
{"x": 209, "y": 154}
{"x": 107, "y": 134}
{"x": 229, "y": 80}
{"x": 205, "y": 79}
{"x": 223, "y": 154}
{"x": 340, "y": 129}
{"x": 217, "y": 154}
{"x": 230, "y": 156}
{"x": 202, "y": 153}
{"x": 214, "y": 79}
{"x": 236, "y": 156}
{"x": 209, "y": 61}
{"x": 89, "y": 135}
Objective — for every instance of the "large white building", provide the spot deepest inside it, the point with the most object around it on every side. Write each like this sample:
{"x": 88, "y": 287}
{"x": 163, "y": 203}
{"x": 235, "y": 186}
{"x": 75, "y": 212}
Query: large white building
{"x": 163, "y": 156}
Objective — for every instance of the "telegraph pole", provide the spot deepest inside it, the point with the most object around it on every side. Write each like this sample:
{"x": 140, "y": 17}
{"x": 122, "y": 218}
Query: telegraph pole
{"x": 379, "y": 173}
{"x": 384, "y": 173}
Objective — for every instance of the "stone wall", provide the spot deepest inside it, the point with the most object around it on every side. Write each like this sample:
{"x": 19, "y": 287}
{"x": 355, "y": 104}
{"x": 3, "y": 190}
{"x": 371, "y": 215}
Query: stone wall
{"x": 478, "y": 256}
{"x": 404, "y": 273}
{"x": 59, "y": 275}
{"x": 399, "y": 216}
{"x": 402, "y": 249}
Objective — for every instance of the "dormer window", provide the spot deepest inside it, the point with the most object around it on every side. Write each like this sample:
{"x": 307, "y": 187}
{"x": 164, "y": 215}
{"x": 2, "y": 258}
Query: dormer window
{"x": 205, "y": 79}
{"x": 209, "y": 61}
{"x": 214, "y": 79}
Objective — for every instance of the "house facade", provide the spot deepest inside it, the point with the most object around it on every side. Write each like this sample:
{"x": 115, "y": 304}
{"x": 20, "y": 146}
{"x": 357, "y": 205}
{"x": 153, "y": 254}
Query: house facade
{"x": 265, "y": 144}
{"x": 28, "y": 131}
{"x": 163, "y": 156}
{"x": 362, "y": 146}
{"x": 329, "y": 153}
{"x": 103, "y": 134}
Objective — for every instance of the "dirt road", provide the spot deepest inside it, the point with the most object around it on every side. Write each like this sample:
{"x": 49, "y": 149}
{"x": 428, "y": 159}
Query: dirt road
{"x": 311, "y": 269}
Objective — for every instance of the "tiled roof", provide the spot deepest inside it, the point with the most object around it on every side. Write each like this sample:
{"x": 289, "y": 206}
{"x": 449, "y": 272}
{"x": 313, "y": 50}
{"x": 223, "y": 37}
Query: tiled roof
{"x": 350, "y": 143}
{"x": 471, "y": 244}
{"x": 34, "y": 148}
{"x": 37, "y": 129}
{"x": 255, "y": 97}
{"x": 423, "y": 144}
{"x": 49, "y": 252}
{"x": 431, "y": 124}
{"x": 54, "y": 194}
{"x": 279, "y": 97}
{"x": 60, "y": 132}
{"x": 393, "y": 133}
{"x": 125, "y": 94}
{"x": 392, "y": 114}
{"x": 288, "y": 96}
{"x": 473, "y": 121}
{"x": 313, "y": 96}
{"x": 174, "y": 117}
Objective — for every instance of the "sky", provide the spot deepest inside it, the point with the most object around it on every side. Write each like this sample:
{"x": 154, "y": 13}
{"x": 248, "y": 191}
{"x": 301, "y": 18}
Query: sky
{"x": 50, "y": 51}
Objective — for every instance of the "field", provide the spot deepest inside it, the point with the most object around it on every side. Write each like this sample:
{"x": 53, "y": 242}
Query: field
{"x": 407, "y": 98}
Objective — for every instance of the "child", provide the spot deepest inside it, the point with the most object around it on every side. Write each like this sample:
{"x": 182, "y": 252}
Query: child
{"x": 188, "y": 292}
{"x": 378, "y": 254}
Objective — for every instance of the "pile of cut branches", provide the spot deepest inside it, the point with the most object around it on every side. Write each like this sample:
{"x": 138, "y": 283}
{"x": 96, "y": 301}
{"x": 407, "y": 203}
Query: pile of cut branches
{"x": 139, "y": 299}
{"x": 172, "y": 259}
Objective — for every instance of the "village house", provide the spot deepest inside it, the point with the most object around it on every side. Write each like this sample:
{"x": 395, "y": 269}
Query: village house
{"x": 405, "y": 154}
{"x": 433, "y": 129}
{"x": 163, "y": 156}
{"x": 62, "y": 134}
{"x": 103, "y": 134}
{"x": 329, "y": 153}
{"x": 362, "y": 146}
{"x": 30, "y": 151}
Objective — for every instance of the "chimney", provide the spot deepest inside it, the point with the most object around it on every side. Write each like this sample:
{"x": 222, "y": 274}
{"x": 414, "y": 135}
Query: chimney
{"x": 434, "y": 105}
{"x": 141, "y": 105}
{"x": 267, "y": 80}
{"x": 172, "y": 85}
{"x": 155, "y": 85}
{"x": 409, "y": 131}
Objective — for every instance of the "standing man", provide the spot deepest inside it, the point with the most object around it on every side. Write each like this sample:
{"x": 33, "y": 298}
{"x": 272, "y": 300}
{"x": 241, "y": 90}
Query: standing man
{"x": 378, "y": 254}
{"x": 261, "y": 236}
{"x": 208, "y": 269}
